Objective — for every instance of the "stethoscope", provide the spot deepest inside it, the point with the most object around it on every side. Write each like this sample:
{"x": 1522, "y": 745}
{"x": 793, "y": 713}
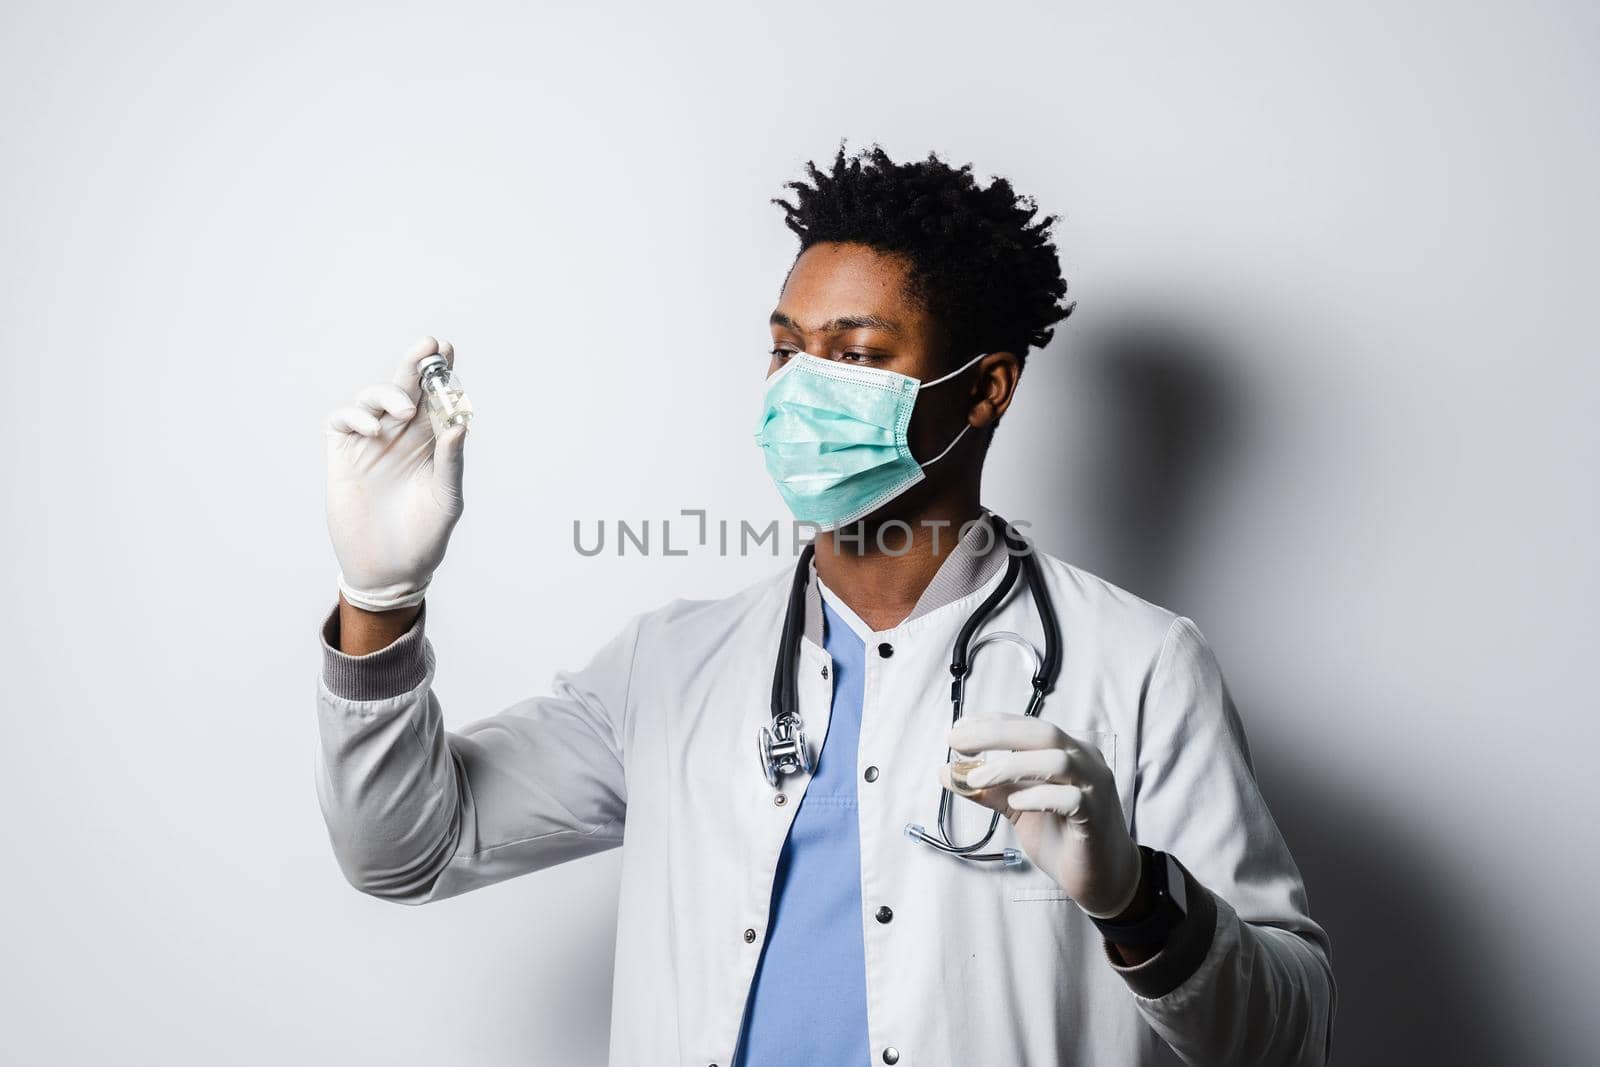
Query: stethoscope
{"x": 783, "y": 746}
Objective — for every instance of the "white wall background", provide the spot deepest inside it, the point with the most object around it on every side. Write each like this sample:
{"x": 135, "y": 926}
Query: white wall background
{"x": 1329, "y": 391}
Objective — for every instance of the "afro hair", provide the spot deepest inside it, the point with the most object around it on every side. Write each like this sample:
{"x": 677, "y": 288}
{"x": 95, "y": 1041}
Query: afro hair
{"x": 979, "y": 261}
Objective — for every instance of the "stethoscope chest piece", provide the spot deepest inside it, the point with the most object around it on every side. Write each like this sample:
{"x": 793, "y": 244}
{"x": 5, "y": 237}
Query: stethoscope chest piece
{"x": 783, "y": 748}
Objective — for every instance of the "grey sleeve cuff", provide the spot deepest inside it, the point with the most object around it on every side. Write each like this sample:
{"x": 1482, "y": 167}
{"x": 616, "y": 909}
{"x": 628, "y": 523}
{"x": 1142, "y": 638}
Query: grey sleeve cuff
{"x": 1184, "y": 951}
{"x": 389, "y": 672}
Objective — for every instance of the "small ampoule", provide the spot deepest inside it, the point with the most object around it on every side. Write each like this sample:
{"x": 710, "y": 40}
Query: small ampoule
{"x": 443, "y": 395}
{"x": 959, "y": 769}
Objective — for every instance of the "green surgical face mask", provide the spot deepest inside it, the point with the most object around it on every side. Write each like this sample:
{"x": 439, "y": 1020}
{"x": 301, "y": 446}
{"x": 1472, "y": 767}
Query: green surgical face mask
{"x": 834, "y": 437}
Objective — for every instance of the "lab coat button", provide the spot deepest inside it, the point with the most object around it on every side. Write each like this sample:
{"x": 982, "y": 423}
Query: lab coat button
{"x": 891, "y": 1055}
{"x": 749, "y": 936}
{"x": 885, "y": 650}
{"x": 884, "y": 915}
{"x": 871, "y": 775}
{"x": 780, "y": 799}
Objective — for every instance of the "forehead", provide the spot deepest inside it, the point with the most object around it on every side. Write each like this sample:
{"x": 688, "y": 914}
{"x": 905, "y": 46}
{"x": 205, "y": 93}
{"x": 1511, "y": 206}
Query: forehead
{"x": 832, "y": 281}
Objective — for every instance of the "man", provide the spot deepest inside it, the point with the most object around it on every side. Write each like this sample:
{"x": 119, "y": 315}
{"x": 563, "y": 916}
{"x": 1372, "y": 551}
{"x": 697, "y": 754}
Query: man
{"x": 1149, "y": 913}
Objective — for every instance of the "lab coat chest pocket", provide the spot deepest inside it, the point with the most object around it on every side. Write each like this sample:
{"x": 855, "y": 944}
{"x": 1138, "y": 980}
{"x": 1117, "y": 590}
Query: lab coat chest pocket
{"x": 1034, "y": 885}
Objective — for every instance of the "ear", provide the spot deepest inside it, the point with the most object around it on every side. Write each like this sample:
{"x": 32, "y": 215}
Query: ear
{"x": 993, "y": 388}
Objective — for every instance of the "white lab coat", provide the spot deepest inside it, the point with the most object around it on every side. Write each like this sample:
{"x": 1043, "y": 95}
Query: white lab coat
{"x": 652, "y": 747}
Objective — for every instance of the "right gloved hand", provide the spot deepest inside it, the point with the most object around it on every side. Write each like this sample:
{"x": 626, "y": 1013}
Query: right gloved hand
{"x": 393, "y": 490}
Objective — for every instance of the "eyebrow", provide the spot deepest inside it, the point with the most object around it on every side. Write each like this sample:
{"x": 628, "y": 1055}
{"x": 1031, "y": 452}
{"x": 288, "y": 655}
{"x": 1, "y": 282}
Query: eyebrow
{"x": 840, "y": 324}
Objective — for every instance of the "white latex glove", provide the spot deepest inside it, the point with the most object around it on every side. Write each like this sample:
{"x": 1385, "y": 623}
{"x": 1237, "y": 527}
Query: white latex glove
{"x": 1062, "y": 799}
{"x": 394, "y": 492}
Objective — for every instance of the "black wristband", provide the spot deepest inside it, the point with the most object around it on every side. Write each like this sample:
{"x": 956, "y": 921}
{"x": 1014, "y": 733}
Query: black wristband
{"x": 1155, "y": 928}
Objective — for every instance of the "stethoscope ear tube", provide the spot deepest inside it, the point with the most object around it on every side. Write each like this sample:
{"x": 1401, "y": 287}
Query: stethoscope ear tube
{"x": 1045, "y": 680}
{"x": 1011, "y": 857}
{"x": 785, "y": 702}
{"x": 960, "y": 656}
{"x": 1019, "y": 557}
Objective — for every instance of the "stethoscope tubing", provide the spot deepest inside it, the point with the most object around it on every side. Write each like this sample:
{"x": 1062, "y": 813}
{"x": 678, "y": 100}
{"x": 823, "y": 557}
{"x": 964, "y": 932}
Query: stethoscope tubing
{"x": 785, "y": 700}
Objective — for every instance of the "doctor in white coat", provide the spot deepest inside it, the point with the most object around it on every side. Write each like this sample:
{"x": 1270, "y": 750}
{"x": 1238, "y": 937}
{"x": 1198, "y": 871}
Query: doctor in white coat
{"x": 1146, "y": 909}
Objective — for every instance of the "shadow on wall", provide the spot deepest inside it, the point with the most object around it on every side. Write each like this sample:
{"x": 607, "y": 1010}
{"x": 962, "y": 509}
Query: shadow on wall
{"x": 1169, "y": 418}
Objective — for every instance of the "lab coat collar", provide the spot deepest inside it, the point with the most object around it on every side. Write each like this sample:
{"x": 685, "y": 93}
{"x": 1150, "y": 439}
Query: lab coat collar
{"x": 976, "y": 557}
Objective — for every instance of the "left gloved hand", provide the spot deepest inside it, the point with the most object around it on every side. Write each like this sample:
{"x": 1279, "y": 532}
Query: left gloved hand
{"x": 1061, "y": 797}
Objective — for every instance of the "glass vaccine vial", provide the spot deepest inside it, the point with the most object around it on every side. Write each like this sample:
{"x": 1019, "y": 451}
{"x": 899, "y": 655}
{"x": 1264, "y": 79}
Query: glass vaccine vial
{"x": 959, "y": 769}
{"x": 443, "y": 395}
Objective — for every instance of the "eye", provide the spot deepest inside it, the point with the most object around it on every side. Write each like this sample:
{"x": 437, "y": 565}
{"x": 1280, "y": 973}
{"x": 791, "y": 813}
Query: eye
{"x": 781, "y": 353}
{"x": 855, "y": 357}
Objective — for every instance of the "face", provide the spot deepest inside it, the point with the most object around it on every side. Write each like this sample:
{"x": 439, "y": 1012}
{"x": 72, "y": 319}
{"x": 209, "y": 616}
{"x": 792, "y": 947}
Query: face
{"x": 850, "y": 303}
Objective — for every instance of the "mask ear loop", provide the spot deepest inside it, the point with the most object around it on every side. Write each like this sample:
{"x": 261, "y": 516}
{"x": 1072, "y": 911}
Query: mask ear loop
{"x": 952, "y": 374}
{"x": 948, "y": 447}
{"x": 965, "y": 428}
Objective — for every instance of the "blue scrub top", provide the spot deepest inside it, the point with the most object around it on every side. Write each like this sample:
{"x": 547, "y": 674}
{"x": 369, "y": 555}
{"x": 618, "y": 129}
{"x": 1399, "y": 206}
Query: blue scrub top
{"x": 808, "y": 1002}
